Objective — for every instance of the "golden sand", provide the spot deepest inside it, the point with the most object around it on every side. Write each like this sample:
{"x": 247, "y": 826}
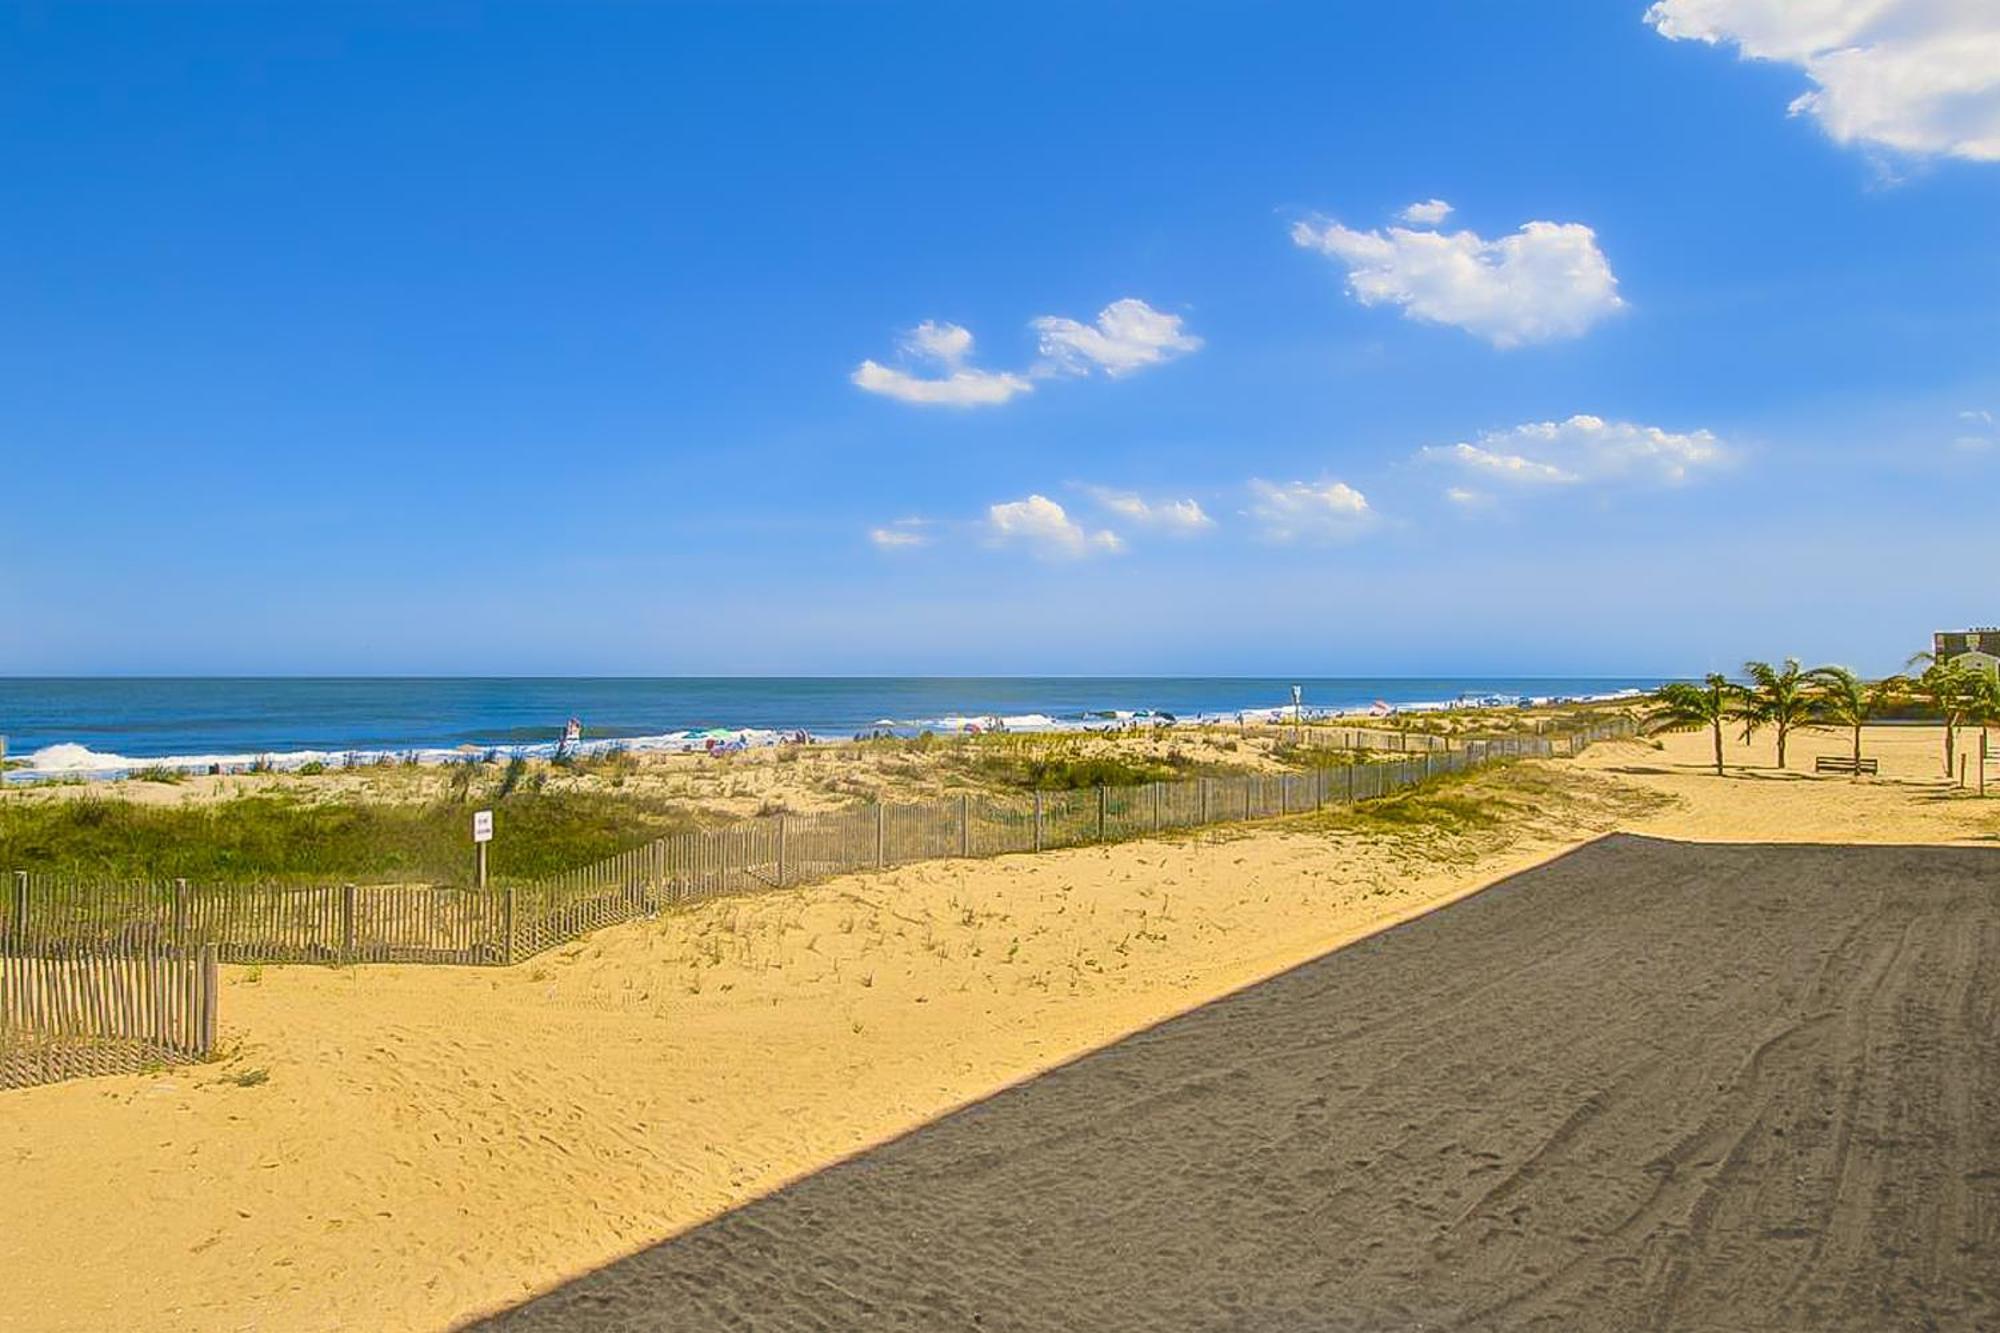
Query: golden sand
{"x": 405, "y": 1147}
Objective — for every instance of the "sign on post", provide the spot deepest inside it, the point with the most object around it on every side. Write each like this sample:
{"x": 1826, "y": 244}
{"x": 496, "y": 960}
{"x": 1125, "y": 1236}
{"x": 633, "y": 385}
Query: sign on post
{"x": 482, "y": 833}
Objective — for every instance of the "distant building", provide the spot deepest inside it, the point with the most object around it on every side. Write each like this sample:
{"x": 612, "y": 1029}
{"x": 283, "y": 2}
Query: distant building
{"x": 1976, "y": 648}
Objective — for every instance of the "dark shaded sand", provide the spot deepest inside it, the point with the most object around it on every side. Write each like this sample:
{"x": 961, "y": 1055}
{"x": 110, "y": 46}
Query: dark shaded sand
{"x": 1650, "y": 1085}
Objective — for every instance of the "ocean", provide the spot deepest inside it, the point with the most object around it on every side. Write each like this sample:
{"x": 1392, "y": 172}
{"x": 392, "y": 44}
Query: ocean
{"x": 105, "y": 726}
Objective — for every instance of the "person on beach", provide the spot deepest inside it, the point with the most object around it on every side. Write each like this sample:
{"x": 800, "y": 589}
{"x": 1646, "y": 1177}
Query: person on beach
{"x": 571, "y": 738}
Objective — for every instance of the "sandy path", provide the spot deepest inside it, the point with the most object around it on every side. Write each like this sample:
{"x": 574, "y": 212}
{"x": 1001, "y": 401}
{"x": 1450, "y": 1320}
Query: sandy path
{"x": 429, "y": 1143}
{"x": 1650, "y": 1085}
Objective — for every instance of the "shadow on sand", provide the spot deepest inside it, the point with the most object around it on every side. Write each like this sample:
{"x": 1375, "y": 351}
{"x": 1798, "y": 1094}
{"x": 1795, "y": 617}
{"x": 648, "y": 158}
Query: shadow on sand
{"x": 1648, "y": 1084}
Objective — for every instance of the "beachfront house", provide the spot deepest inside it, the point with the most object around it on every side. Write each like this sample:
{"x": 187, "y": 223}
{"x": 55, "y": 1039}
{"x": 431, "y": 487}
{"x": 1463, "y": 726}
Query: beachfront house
{"x": 1978, "y": 648}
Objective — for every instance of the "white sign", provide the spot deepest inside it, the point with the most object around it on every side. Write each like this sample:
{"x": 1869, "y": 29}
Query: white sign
{"x": 482, "y": 826}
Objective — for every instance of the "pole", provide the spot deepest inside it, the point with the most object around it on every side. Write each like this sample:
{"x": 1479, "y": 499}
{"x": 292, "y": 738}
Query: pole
{"x": 1100, "y": 814}
{"x": 482, "y": 863}
{"x": 347, "y": 894}
{"x": 964, "y": 825}
{"x": 1156, "y": 807}
{"x": 507, "y": 923}
{"x": 21, "y": 909}
{"x": 781, "y": 851}
{"x": 881, "y": 836}
{"x": 180, "y": 914}
{"x": 1038, "y": 819}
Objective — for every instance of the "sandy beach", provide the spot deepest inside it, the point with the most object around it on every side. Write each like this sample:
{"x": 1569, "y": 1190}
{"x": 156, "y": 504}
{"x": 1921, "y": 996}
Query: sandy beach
{"x": 412, "y": 1147}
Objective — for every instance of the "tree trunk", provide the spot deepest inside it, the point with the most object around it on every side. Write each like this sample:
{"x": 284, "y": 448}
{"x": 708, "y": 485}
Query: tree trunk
{"x": 1950, "y": 745}
{"x": 1857, "y": 752}
{"x": 1718, "y": 747}
{"x": 1781, "y": 745}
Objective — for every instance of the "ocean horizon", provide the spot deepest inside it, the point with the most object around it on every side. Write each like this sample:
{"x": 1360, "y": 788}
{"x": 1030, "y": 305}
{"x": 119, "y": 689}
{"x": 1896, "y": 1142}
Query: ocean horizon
{"x": 105, "y": 725}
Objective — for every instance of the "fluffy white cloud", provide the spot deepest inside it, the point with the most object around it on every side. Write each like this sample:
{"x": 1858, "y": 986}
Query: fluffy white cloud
{"x": 1045, "y": 528}
{"x": 1548, "y": 280}
{"x": 1582, "y": 449}
{"x": 1510, "y": 467}
{"x": 1129, "y": 335}
{"x": 1179, "y": 518}
{"x": 945, "y": 348}
{"x": 1467, "y": 498}
{"x": 1428, "y": 214}
{"x": 901, "y": 535}
{"x": 1298, "y": 510}
{"x": 1917, "y": 76}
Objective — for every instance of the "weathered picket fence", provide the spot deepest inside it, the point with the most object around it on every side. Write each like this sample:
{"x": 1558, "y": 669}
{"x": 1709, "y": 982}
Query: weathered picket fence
{"x": 422, "y": 923}
{"x": 73, "y": 1015}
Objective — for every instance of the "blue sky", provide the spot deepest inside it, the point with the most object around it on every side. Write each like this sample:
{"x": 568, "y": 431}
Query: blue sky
{"x": 536, "y": 339}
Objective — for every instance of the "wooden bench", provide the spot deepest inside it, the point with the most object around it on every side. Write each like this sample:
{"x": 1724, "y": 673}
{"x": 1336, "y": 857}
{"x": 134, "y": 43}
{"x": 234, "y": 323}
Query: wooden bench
{"x": 1840, "y": 763}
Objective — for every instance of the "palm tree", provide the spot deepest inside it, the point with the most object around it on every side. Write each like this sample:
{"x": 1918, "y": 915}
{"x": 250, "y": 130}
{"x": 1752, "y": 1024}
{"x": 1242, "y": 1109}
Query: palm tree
{"x": 1983, "y": 707}
{"x": 1684, "y": 706}
{"x": 1847, "y": 700}
{"x": 1949, "y": 689}
{"x": 1779, "y": 698}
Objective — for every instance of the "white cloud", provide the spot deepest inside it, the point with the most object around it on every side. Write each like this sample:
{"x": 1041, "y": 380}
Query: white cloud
{"x": 1427, "y": 214}
{"x": 947, "y": 344}
{"x": 1548, "y": 280}
{"x": 1979, "y": 416}
{"x": 1129, "y": 335}
{"x": 1583, "y": 449}
{"x": 1045, "y": 528}
{"x": 1467, "y": 498}
{"x": 1179, "y": 518}
{"x": 902, "y": 535}
{"x": 1298, "y": 510}
{"x": 946, "y": 347}
{"x": 1917, "y": 76}
{"x": 1511, "y": 467}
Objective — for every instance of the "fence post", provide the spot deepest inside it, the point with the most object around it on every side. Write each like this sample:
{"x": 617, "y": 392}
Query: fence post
{"x": 1350, "y": 784}
{"x": 1201, "y": 787}
{"x": 881, "y": 835}
{"x": 211, "y": 1000}
{"x": 1427, "y": 765}
{"x": 964, "y": 824}
{"x": 180, "y": 914}
{"x": 347, "y": 896}
{"x": 507, "y": 923}
{"x": 781, "y": 851}
{"x": 1038, "y": 819}
{"x": 1319, "y": 789}
{"x": 1156, "y": 807}
{"x": 21, "y": 909}
{"x": 1100, "y": 814}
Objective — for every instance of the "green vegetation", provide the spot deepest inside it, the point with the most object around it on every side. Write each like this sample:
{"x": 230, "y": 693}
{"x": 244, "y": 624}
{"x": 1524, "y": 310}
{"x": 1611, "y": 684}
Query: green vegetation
{"x": 156, "y": 773}
{"x": 1681, "y": 706}
{"x": 1847, "y": 700}
{"x": 279, "y": 838}
{"x": 1780, "y": 698}
{"x": 1065, "y": 763}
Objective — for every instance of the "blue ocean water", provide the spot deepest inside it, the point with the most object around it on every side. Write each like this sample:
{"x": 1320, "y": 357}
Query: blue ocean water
{"x": 102, "y": 724}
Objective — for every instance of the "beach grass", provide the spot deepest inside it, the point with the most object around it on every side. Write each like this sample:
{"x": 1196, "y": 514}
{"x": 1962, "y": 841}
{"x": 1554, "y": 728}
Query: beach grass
{"x": 278, "y": 838}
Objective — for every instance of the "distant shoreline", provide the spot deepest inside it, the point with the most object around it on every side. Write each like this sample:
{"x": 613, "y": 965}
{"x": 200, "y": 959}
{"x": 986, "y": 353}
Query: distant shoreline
{"x": 68, "y": 758}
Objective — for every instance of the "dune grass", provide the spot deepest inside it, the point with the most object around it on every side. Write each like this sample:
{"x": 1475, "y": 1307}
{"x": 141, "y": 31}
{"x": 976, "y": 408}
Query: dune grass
{"x": 279, "y": 838}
